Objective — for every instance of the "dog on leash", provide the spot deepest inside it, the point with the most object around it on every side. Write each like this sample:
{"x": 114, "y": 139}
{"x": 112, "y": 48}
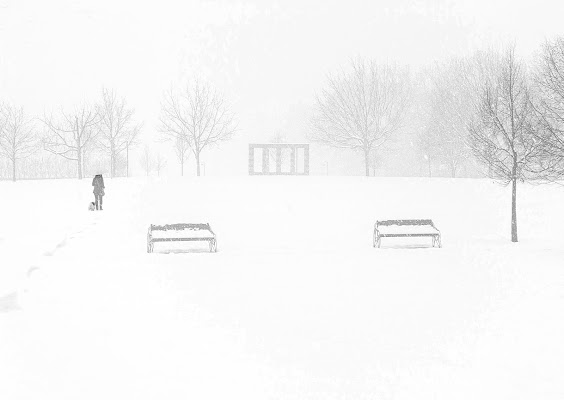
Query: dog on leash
{"x": 91, "y": 206}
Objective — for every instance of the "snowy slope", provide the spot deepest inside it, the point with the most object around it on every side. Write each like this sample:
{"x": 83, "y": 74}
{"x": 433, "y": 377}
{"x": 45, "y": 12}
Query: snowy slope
{"x": 295, "y": 305}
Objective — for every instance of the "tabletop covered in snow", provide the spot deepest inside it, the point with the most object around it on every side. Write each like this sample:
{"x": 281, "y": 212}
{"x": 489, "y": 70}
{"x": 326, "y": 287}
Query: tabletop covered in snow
{"x": 182, "y": 233}
{"x": 405, "y": 229}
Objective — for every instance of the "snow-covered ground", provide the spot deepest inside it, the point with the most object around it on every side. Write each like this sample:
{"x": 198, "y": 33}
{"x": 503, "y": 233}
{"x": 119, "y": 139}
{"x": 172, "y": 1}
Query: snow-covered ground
{"x": 296, "y": 303}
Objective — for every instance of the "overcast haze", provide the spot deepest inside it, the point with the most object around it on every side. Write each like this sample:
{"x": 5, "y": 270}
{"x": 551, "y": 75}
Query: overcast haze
{"x": 401, "y": 236}
{"x": 269, "y": 57}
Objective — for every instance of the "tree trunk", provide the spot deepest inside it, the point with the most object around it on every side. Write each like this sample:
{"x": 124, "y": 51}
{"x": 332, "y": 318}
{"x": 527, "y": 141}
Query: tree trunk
{"x": 197, "y": 163}
{"x": 514, "y": 210}
{"x": 182, "y": 166}
{"x": 453, "y": 169}
{"x": 79, "y": 162}
{"x": 14, "y": 169}
{"x": 367, "y": 161}
{"x": 78, "y": 151}
{"x": 112, "y": 162}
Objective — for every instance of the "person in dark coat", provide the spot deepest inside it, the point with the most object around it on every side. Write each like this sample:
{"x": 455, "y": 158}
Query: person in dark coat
{"x": 98, "y": 183}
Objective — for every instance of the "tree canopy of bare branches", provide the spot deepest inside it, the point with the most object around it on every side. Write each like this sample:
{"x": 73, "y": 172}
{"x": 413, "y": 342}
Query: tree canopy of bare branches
{"x": 198, "y": 114}
{"x": 72, "y": 133}
{"x": 449, "y": 111}
{"x": 550, "y": 106}
{"x": 18, "y": 138}
{"x": 503, "y": 133}
{"x": 181, "y": 147}
{"x": 182, "y": 151}
{"x": 159, "y": 163}
{"x": 117, "y": 130}
{"x": 146, "y": 160}
{"x": 361, "y": 109}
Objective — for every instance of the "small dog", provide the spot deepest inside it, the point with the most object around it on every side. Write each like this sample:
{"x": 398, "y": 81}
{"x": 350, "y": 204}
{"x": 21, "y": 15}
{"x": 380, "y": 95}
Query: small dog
{"x": 91, "y": 206}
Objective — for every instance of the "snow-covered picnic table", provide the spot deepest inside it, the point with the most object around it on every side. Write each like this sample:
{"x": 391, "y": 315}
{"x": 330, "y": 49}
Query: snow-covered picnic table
{"x": 406, "y": 228}
{"x": 181, "y": 233}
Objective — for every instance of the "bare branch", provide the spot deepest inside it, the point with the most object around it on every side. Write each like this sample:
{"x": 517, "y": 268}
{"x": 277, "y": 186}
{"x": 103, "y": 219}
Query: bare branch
{"x": 196, "y": 117}
{"x": 72, "y": 134}
{"x": 361, "y": 109}
{"x": 117, "y": 131}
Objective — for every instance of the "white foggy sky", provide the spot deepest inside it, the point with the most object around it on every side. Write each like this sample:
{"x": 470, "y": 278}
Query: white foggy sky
{"x": 269, "y": 57}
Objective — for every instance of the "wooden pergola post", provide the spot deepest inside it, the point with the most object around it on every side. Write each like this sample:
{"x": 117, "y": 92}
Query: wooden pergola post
{"x": 306, "y": 159}
{"x": 295, "y": 153}
{"x": 293, "y": 160}
{"x": 265, "y": 163}
{"x": 278, "y": 160}
{"x": 251, "y": 159}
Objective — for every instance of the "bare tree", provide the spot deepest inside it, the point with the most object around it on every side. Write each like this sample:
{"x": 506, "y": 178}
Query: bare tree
{"x": 146, "y": 160}
{"x": 450, "y": 109}
{"x": 71, "y": 134}
{"x": 181, "y": 146}
{"x": 200, "y": 115}
{"x": 182, "y": 151}
{"x": 117, "y": 130}
{"x": 428, "y": 146}
{"x": 419, "y": 121}
{"x": 360, "y": 110}
{"x": 131, "y": 142}
{"x": 503, "y": 132}
{"x": 550, "y": 106}
{"x": 18, "y": 138}
{"x": 160, "y": 163}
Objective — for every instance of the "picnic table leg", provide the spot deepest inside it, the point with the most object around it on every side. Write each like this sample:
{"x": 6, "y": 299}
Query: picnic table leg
{"x": 213, "y": 246}
{"x": 149, "y": 242}
{"x": 377, "y": 240}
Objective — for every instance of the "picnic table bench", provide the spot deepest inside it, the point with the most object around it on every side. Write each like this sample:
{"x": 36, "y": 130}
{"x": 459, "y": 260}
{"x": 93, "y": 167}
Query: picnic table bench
{"x": 406, "y": 228}
{"x": 181, "y": 233}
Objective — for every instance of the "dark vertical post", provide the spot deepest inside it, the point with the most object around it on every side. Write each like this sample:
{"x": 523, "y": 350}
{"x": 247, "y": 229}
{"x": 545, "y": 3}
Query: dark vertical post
{"x": 265, "y": 163}
{"x": 278, "y": 159}
{"x": 514, "y": 210}
{"x": 293, "y": 160}
{"x": 306, "y": 159}
{"x": 78, "y": 150}
{"x": 251, "y": 159}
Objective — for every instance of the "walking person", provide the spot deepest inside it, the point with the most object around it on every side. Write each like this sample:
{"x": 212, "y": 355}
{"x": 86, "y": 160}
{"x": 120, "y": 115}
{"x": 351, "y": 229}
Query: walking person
{"x": 98, "y": 183}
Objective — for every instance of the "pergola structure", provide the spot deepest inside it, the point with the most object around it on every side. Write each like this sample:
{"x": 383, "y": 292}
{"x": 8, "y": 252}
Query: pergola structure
{"x": 279, "y": 159}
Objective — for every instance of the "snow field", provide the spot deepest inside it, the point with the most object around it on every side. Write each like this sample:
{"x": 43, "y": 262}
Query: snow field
{"x": 296, "y": 304}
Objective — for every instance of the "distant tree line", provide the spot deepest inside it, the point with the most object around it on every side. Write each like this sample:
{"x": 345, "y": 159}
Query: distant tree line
{"x": 449, "y": 112}
{"x": 67, "y": 143}
{"x": 489, "y": 107}
{"x": 448, "y": 109}
{"x": 93, "y": 138}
